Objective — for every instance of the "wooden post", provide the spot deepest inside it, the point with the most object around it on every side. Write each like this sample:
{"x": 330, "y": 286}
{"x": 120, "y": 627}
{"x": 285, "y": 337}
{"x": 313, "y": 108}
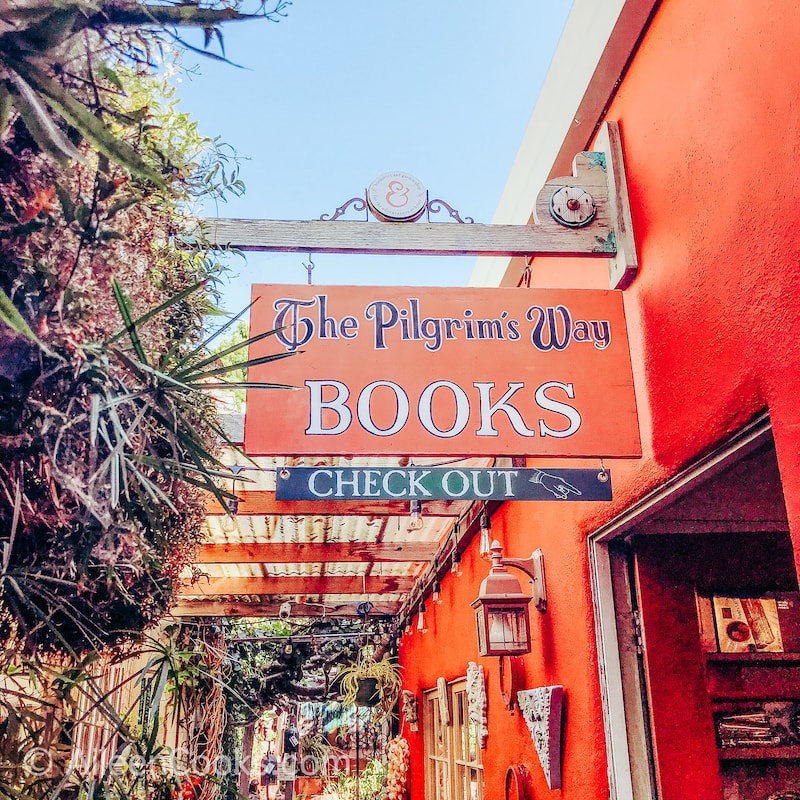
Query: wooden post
{"x": 246, "y": 764}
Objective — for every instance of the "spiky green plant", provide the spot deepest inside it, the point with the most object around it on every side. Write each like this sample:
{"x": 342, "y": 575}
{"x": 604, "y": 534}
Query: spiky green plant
{"x": 384, "y": 671}
{"x": 108, "y": 436}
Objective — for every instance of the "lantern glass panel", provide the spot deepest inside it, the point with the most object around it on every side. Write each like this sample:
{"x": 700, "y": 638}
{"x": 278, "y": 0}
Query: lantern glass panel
{"x": 481, "y": 626}
{"x": 508, "y": 629}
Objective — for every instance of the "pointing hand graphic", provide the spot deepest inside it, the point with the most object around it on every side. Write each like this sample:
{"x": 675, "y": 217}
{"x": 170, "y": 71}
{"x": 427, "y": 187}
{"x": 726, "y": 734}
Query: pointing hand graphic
{"x": 555, "y": 485}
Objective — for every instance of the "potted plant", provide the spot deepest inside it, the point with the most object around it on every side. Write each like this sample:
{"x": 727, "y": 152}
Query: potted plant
{"x": 371, "y": 682}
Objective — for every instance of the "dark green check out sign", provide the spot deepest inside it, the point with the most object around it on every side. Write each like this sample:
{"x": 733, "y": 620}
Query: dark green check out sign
{"x": 442, "y": 483}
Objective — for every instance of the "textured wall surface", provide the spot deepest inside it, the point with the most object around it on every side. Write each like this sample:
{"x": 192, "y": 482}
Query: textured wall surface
{"x": 708, "y": 112}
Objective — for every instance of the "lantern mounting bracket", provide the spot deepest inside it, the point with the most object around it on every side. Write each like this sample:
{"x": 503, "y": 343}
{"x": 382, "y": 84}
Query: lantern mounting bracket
{"x": 533, "y": 567}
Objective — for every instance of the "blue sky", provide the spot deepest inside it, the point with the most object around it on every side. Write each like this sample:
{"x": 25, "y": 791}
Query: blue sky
{"x": 338, "y": 93}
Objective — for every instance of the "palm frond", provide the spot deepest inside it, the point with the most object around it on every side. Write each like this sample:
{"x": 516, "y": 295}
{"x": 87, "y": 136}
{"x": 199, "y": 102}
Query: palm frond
{"x": 91, "y": 128}
{"x": 153, "y": 312}
{"x": 227, "y": 351}
{"x": 40, "y": 123}
{"x": 203, "y": 346}
{"x": 196, "y": 377}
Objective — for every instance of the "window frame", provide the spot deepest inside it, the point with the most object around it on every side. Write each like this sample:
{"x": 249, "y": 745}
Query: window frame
{"x": 453, "y": 757}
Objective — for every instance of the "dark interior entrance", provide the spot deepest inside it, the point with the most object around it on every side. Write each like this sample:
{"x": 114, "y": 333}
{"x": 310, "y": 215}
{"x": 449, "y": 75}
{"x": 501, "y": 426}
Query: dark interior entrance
{"x": 714, "y": 613}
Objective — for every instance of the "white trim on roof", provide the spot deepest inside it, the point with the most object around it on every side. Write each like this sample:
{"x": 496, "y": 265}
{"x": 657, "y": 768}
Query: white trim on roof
{"x": 598, "y": 40}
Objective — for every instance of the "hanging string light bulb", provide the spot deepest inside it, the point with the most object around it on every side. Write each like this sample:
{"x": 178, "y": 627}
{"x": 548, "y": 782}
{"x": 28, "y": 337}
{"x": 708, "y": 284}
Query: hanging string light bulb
{"x": 436, "y": 592}
{"x": 228, "y": 523}
{"x": 421, "y": 625}
{"x": 415, "y": 523}
{"x": 455, "y": 564}
{"x": 485, "y": 541}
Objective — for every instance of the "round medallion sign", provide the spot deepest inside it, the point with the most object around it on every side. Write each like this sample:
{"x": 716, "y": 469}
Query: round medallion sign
{"x": 397, "y": 197}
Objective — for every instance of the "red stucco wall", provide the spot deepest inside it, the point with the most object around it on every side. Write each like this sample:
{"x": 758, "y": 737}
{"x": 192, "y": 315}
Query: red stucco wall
{"x": 709, "y": 113}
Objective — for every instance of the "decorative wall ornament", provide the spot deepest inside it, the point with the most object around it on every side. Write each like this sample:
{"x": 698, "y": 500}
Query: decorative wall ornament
{"x": 476, "y": 701}
{"x": 541, "y": 708}
{"x": 410, "y": 710}
{"x": 398, "y": 772}
{"x": 444, "y": 703}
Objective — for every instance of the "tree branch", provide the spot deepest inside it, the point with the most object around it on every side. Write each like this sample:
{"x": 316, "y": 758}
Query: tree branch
{"x": 179, "y": 15}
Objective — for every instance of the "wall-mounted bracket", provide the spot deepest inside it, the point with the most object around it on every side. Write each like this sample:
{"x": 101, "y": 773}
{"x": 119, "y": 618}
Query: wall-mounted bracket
{"x": 624, "y": 265}
{"x": 533, "y": 567}
{"x": 584, "y": 215}
{"x": 594, "y": 200}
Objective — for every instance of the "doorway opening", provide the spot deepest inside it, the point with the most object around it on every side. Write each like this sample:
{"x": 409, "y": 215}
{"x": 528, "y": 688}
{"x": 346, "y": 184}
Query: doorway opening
{"x": 700, "y": 699}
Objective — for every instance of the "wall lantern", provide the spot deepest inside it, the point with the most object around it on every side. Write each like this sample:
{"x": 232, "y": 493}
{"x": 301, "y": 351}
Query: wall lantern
{"x": 501, "y": 608}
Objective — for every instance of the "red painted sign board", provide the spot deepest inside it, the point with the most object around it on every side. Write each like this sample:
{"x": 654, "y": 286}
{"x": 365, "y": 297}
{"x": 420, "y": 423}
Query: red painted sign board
{"x": 442, "y": 371}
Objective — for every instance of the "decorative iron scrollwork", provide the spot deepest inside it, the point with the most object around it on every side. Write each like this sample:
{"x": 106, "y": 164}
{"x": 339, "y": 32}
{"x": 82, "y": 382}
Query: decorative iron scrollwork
{"x": 357, "y": 203}
{"x": 435, "y": 206}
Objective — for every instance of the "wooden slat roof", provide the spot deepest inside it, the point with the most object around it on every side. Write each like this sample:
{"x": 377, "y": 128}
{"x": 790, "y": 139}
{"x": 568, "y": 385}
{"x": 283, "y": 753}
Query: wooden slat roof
{"x": 324, "y": 557}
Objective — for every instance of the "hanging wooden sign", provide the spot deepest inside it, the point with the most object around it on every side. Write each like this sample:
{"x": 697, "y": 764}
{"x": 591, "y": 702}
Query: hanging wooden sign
{"x": 441, "y": 371}
{"x": 441, "y": 483}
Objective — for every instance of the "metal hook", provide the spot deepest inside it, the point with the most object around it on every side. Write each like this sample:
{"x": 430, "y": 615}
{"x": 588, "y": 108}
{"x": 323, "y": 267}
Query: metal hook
{"x": 602, "y": 476}
{"x": 527, "y": 272}
{"x": 309, "y": 268}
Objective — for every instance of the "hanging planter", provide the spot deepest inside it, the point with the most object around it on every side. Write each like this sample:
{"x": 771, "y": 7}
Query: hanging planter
{"x": 372, "y": 683}
{"x": 367, "y": 693}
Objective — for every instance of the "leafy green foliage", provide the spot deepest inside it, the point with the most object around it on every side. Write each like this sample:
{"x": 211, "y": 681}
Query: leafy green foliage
{"x": 365, "y": 786}
{"x": 384, "y": 671}
{"x": 52, "y": 102}
{"x": 277, "y": 663}
{"x": 48, "y": 708}
{"x": 108, "y": 435}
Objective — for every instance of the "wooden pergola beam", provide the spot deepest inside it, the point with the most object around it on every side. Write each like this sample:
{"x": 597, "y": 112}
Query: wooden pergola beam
{"x": 315, "y": 552}
{"x": 270, "y": 608}
{"x": 297, "y": 584}
{"x": 263, "y": 503}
